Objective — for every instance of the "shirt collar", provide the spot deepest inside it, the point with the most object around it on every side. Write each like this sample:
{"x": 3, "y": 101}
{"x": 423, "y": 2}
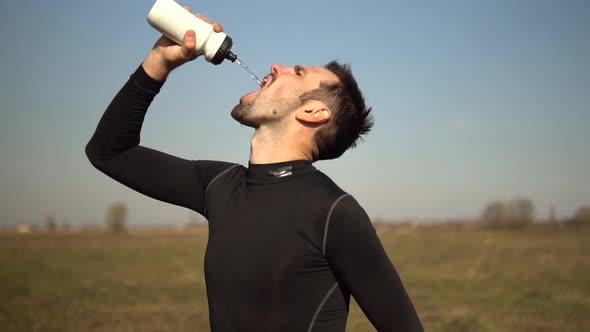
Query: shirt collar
{"x": 278, "y": 172}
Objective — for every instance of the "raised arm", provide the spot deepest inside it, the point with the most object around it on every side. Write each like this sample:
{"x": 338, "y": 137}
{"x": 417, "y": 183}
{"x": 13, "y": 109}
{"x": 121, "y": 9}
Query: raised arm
{"x": 114, "y": 148}
{"x": 358, "y": 258}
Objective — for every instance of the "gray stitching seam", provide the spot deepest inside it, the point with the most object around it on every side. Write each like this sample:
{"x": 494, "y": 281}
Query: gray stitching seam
{"x": 210, "y": 183}
{"x": 317, "y": 312}
{"x": 328, "y": 222}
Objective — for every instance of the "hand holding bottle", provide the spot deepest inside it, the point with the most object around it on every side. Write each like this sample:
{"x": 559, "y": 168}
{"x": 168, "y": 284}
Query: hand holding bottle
{"x": 166, "y": 55}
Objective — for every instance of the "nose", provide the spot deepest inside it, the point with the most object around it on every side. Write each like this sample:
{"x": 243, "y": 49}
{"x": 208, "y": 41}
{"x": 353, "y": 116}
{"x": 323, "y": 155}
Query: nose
{"x": 277, "y": 69}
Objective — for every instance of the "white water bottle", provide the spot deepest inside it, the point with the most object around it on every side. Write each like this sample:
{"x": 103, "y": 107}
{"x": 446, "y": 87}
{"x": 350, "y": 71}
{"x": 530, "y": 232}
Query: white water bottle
{"x": 172, "y": 20}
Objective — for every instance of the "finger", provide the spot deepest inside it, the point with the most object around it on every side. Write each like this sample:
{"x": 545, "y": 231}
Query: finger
{"x": 217, "y": 27}
{"x": 188, "y": 44}
{"x": 188, "y": 8}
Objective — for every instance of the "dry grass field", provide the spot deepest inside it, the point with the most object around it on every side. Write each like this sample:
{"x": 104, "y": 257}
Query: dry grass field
{"x": 152, "y": 281}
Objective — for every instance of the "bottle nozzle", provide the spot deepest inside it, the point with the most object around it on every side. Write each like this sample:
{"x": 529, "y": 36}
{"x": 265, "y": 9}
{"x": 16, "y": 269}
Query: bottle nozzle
{"x": 231, "y": 56}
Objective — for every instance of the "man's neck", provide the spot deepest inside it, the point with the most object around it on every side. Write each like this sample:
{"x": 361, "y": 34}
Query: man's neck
{"x": 267, "y": 147}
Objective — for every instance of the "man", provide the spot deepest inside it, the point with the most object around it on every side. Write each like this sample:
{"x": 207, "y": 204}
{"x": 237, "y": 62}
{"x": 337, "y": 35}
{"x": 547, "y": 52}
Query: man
{"x": 287, "y": 247}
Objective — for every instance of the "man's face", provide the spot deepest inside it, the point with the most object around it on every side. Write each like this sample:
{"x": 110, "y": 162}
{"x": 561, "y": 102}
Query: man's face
{"x": 279, "y": 94}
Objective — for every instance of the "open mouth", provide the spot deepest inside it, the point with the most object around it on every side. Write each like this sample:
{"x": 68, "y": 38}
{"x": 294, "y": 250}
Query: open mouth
{"x": 265, "y": 83}
{"x": 267, "y": 80}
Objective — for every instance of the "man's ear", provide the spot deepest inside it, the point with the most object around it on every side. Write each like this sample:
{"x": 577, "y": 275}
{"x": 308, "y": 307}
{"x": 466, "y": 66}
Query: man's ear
{"x": 313, "y": 112}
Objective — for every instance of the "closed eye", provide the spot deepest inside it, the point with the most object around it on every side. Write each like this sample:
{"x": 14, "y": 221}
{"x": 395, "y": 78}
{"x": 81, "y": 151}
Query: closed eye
{"x": 299, "y": 70}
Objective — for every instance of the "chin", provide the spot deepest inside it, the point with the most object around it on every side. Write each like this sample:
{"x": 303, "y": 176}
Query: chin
{"x": 240, "y": 113}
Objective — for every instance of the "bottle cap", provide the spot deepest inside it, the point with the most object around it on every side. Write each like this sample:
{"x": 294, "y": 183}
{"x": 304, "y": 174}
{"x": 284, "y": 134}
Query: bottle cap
{"x": 224, "y": 52}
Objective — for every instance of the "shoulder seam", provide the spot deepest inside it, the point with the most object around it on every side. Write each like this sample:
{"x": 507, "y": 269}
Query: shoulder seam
{"x": 218, "y": 176}
{"x": 212, "y": 181}
{"x": 328, "y": 222}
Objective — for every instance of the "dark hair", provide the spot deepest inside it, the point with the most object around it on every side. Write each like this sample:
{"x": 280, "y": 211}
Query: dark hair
{"x": 350, "y": 118}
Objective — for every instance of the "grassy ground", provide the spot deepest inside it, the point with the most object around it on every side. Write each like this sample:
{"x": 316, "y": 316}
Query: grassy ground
{"x": 458, "y": 280}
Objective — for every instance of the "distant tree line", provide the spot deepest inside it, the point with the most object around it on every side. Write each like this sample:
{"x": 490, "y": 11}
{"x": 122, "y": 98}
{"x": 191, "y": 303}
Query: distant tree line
{"x": 51, "y": 223}
{"x": 516, "y": 214}
{"x": 580, "y": 218}
{"x": 116, "y": 218}
{"x": 519, "y": 213}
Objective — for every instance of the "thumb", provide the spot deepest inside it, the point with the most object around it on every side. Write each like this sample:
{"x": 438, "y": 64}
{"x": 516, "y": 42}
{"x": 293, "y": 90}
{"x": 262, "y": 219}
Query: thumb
{"x": 188, "y": 45}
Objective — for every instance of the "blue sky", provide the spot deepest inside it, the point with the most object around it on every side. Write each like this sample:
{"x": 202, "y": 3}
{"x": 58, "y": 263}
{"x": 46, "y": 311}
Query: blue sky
{"x": 474, "y": 101}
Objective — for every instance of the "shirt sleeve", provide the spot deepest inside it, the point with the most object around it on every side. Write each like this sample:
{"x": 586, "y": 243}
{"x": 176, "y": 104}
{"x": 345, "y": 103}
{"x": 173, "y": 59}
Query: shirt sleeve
{"x": 356, "y": 255}
{"x": 114, "y": 150}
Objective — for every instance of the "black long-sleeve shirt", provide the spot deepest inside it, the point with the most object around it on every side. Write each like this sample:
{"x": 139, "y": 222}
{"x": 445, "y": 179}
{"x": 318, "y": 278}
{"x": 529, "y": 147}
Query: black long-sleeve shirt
{"x": 287, "y": 247}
